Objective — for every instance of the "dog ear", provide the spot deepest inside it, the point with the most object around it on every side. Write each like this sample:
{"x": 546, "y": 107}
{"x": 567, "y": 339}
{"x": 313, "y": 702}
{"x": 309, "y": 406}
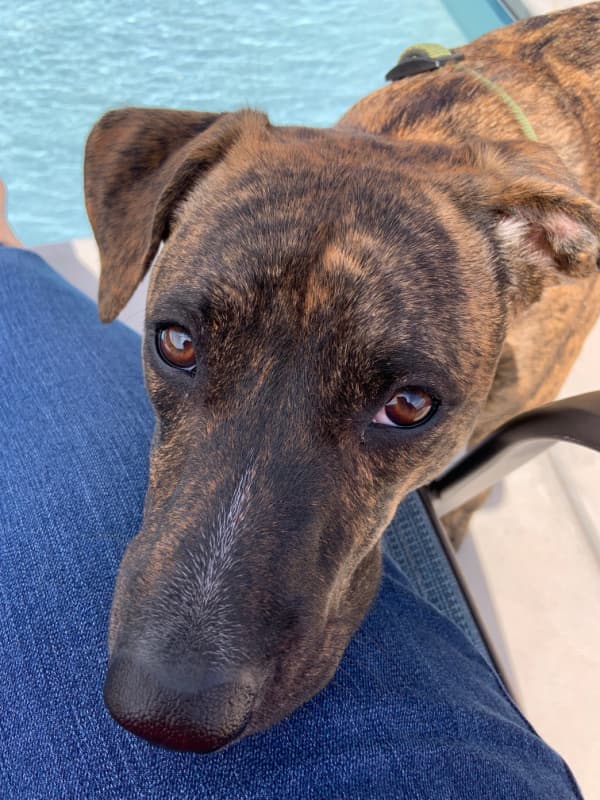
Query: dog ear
{"x": 547, "y": 230}
{"x": 139, "y": 165}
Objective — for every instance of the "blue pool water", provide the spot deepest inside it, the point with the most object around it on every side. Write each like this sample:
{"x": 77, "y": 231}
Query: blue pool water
{"x": 63, "y": 64}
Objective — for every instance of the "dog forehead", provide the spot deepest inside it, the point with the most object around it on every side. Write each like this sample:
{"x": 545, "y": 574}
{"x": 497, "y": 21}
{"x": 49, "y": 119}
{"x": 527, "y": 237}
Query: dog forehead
{"x": 321, "y": 233}
{"x": 294, "y": 182}
{"x": 331, "y": 268}
{"x": 286, "y": 211}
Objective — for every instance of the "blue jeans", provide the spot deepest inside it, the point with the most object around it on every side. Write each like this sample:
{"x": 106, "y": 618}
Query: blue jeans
{"x": 414, "y": 710}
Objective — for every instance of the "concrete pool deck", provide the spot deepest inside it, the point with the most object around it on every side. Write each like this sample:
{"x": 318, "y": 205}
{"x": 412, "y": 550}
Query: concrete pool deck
{"x": 532, "y": 8}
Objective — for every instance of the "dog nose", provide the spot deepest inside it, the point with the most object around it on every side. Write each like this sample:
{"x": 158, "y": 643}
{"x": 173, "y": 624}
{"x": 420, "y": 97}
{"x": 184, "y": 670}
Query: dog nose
{"x": 183, "y": 708}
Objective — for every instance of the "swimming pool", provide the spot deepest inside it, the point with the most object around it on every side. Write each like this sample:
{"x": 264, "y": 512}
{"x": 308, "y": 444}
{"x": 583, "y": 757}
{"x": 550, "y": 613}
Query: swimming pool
{"x": 63, "y": 64}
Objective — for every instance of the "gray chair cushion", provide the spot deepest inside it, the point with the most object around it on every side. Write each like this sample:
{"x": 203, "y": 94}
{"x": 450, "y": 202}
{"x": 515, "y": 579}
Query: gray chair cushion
{"x": 412, "y": 542}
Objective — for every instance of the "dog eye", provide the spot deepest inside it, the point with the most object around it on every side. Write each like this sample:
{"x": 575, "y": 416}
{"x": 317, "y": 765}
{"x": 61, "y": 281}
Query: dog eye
{"x": 175, "y": 347}
{"x": 409, "y": 407}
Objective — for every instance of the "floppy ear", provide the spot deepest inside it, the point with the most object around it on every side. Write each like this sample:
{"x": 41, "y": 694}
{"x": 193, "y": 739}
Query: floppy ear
{"x": 139, "y": 165}
{"x": 547, "y": 230}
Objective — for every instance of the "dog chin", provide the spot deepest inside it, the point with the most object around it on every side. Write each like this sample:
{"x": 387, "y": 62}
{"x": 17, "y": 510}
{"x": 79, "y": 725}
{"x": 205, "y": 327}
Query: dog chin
{"x": 282, "y": 698}
{"x": 279, "y": 703}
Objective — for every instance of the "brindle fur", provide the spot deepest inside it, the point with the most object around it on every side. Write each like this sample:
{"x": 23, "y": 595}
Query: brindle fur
{"x": 318, "y": 270}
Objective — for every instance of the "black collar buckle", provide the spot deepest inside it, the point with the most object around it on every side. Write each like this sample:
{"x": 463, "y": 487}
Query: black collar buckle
{"x": 421, "y": 58}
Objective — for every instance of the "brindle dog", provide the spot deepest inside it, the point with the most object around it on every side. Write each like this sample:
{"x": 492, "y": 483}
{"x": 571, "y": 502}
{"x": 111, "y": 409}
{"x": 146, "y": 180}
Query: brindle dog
{"x": 333, "y": 315}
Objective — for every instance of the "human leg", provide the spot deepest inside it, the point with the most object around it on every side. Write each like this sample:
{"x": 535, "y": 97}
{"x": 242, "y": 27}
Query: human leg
{"x": 7, "y": 235}
{"x": 413, "y": 711}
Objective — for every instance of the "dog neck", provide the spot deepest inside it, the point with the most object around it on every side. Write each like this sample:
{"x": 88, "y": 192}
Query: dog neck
{"x": 427, "y": 57}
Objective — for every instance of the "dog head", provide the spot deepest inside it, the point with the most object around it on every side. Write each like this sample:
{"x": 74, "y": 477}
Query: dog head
{"x": 323, "y": 323}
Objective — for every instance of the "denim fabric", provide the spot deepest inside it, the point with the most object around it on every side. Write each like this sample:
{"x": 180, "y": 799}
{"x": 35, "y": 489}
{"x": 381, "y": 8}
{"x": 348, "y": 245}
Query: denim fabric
{"x": 414, "y": 711}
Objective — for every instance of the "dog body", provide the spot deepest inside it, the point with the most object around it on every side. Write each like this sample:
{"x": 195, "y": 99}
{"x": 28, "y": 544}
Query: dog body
{"x": 422, "y": 252}
{"x": 551, "y": 66}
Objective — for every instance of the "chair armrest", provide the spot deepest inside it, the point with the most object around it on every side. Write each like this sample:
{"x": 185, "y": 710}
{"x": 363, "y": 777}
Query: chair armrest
{"x": 575, "y": 419}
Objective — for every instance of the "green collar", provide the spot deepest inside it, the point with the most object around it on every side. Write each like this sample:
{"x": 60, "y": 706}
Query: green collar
{"x": 426, "y": 57}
